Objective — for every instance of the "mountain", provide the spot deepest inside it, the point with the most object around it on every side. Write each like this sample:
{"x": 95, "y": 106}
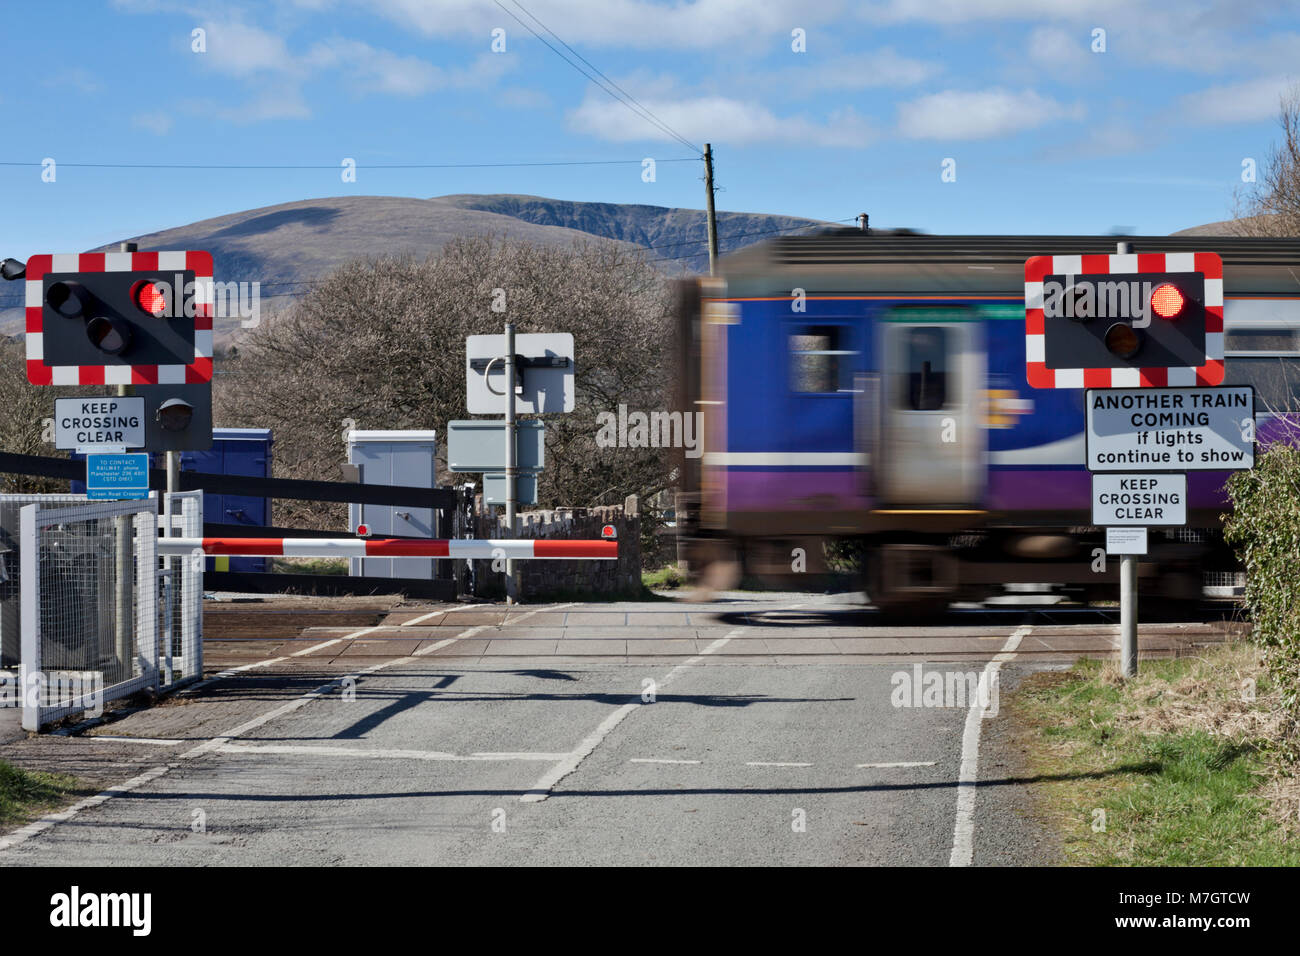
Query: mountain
{"x": 286, "y": 246}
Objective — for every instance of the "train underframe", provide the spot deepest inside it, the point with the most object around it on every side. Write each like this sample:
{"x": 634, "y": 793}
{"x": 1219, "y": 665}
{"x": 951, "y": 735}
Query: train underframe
{"x": 910, "y": 571}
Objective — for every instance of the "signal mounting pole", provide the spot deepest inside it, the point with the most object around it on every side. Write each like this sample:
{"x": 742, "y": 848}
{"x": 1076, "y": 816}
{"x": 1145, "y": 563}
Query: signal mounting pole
{"x": 712, "y": 218}
{"x": 512, "y": 469}
{"x": 1128, "y": 580}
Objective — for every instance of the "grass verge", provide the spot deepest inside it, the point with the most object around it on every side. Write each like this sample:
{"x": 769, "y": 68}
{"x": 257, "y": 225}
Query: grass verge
{"x": 24, "y": 793}
{"x": 664, "y": 579}
{"x": 1177, "y": 767}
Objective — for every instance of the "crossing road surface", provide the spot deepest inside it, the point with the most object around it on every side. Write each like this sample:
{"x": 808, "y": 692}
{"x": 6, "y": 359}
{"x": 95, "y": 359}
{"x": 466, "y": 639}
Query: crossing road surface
{"x": 766, "y": 730}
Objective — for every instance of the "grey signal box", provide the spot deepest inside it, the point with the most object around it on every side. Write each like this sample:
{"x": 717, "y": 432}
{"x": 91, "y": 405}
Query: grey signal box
{"x": 393, "y": 458}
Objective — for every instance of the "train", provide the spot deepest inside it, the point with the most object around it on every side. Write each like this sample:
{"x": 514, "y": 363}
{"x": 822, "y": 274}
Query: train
{"x": 868, "y": 389}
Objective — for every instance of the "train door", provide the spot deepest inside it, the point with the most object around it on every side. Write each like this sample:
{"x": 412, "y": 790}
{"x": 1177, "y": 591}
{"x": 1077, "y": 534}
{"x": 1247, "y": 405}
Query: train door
{"x": 930, "y": 443}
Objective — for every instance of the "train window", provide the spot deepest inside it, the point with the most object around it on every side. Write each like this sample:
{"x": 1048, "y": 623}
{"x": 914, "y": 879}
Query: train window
{"x": 1276, "y": 381}
{"x": 925, "y": 366}
{"x": 1261, "y": 340}
{"x": 820, "y": 359}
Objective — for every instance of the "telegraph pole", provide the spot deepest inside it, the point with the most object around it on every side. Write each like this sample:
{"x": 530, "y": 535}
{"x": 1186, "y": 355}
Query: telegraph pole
{"x": 712, "y": 216}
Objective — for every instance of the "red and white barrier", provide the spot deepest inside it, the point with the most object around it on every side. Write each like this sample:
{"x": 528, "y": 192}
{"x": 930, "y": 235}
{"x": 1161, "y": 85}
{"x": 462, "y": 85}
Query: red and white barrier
{"x": 511, "y": 548}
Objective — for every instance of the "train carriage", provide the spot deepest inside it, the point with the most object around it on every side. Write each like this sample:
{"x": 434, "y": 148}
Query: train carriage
{"x": 872, "y": 387}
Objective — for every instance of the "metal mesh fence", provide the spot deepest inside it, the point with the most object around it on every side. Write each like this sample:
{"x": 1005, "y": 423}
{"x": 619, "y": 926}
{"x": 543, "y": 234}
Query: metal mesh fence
{"x": 90, "y": 614}
{"x": 181, "y": 582}
{"x": 11, "y": 570}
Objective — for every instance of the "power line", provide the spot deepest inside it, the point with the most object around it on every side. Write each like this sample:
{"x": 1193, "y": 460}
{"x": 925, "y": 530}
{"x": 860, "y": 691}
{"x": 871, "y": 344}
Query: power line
{"x": 632, "y": 100}
{"x": 631, "y": 104}
{"x": 292, "y": 166}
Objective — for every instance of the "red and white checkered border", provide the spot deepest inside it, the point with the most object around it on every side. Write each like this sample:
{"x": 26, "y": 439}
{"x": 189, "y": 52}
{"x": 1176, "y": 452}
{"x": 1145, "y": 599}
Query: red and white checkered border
{"x": 200, "y": 370}
{"x": 1039, "y": 267}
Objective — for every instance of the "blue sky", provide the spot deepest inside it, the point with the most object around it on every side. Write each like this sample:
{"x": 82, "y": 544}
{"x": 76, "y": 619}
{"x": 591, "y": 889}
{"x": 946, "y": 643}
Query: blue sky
{"x": 1047, "y": 135}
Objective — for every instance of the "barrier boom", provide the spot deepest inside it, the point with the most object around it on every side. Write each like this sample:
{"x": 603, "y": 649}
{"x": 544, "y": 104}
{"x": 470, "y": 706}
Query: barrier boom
{"x": 512, "y": 548}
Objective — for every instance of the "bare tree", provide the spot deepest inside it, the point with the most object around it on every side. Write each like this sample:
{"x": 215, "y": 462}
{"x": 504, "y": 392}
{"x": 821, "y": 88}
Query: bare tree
{"x": 380, "y": 343}
{"x": 1271, "y": 205}
{"x": 24, "y": 410}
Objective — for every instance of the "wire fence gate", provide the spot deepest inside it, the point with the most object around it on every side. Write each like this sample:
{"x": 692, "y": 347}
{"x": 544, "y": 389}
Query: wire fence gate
{"x": 104, "y": 616}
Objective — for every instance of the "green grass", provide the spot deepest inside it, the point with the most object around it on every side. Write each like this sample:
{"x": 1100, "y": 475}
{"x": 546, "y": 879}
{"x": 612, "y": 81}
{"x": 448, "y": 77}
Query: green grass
{"x": 664, "y": 579}
{"x": 1177, "y": 758}
{"x": 24, "y": 793}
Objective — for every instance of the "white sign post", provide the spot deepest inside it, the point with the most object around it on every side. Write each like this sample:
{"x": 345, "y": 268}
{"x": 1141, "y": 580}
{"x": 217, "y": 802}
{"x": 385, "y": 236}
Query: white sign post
{"x": 509, "y": 374}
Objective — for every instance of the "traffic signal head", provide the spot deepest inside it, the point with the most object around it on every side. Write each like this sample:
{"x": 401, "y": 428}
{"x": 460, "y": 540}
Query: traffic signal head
{"x": 1124, "y": 320}
{"x": 129, "y": 318}
{"x": 177, "y": 417}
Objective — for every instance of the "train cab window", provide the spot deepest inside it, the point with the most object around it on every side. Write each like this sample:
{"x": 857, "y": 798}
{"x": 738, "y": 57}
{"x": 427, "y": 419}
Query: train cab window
{"x": 821, "y": 360}
{"x": 1276, "y": 380}
{"x": 925, "y": 368}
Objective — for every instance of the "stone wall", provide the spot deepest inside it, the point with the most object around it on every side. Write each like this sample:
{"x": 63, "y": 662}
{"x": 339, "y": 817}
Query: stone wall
{"x": 538, "y": 579}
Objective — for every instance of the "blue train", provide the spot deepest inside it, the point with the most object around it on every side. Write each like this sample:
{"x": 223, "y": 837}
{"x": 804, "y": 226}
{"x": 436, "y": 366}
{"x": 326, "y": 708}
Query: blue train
{"x": 871, "y": 387}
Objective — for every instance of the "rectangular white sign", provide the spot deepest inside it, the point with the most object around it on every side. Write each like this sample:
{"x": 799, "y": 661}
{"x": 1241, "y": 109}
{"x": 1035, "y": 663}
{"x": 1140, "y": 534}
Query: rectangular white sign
{"x": 1171, "y": 429}
{"x": 91, "y": 422}
{"x": 545, "y": 373}
{"x": 1126, "y": 540}
{"x": 1144, "y": 499}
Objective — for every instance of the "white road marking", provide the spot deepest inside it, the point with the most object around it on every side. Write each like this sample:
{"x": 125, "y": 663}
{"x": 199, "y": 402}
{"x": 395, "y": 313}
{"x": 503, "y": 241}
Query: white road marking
{"x": 377, "y": 753}
{"x": 657, "y": 760}
{"x": 963, "y": 834}
{"x": 764, "y": 763}
{"x": 232, "y": 671}
{"x": 422, "y": 617}
{"x": 903, "y": 763}
{"x": 24, "y": 834}
{"x": 159, "y": 741}
{"x": 542, "y": 788}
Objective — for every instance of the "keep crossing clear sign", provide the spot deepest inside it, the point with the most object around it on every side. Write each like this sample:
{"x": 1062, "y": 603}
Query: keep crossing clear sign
{"x": 86, "y": 422}
{"x": 1171, "y": 429}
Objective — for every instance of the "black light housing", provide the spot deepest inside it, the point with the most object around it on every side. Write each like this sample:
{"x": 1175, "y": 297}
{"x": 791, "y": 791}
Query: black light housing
{"x": 68, "y": 299}
{"x": 12, "y": 269}
{"x": 109, "y": 335}
{"x": 175, "y": 415}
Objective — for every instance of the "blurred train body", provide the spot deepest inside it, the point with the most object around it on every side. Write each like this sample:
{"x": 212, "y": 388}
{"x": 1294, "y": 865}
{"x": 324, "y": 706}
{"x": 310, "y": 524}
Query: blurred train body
{"x": 871, "y": 388}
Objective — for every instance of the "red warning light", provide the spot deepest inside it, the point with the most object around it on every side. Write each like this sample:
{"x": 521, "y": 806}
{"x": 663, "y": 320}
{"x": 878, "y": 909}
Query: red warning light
{"x": 608, "y": 531}
{"x": 150, "y": 297}
{"x": 1167, "y": 301}
{"x": 363, "y": 531}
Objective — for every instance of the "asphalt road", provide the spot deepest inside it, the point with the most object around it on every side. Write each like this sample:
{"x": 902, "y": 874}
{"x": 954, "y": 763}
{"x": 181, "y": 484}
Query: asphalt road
{"x": 763, "y": 731}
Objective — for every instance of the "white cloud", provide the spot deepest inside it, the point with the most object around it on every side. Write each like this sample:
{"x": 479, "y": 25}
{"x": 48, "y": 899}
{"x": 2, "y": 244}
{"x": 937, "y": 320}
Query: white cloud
{"x": 980, "y": 114}
{"x": 964, "y": 11}
{"x": 524, "y": 98}
{"x": 1248, "y": 102}
{"x": 377, "y": 70}
{"x": 703, "y": 24}
{"x": 861, "y": 71}
{"x": 241, "y": 50}
{"x": 716, "y": 119}
{"x": 278, "y": 104}
{"x": 156, "y": 122}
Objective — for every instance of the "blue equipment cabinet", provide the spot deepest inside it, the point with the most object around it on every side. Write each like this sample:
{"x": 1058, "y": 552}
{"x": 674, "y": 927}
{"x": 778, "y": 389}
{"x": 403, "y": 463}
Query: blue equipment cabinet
{"x": 235, "y": 451}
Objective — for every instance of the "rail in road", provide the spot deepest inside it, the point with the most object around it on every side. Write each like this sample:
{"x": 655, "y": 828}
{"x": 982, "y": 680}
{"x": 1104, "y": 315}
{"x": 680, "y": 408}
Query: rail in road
{"x": 628, "y": 631}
